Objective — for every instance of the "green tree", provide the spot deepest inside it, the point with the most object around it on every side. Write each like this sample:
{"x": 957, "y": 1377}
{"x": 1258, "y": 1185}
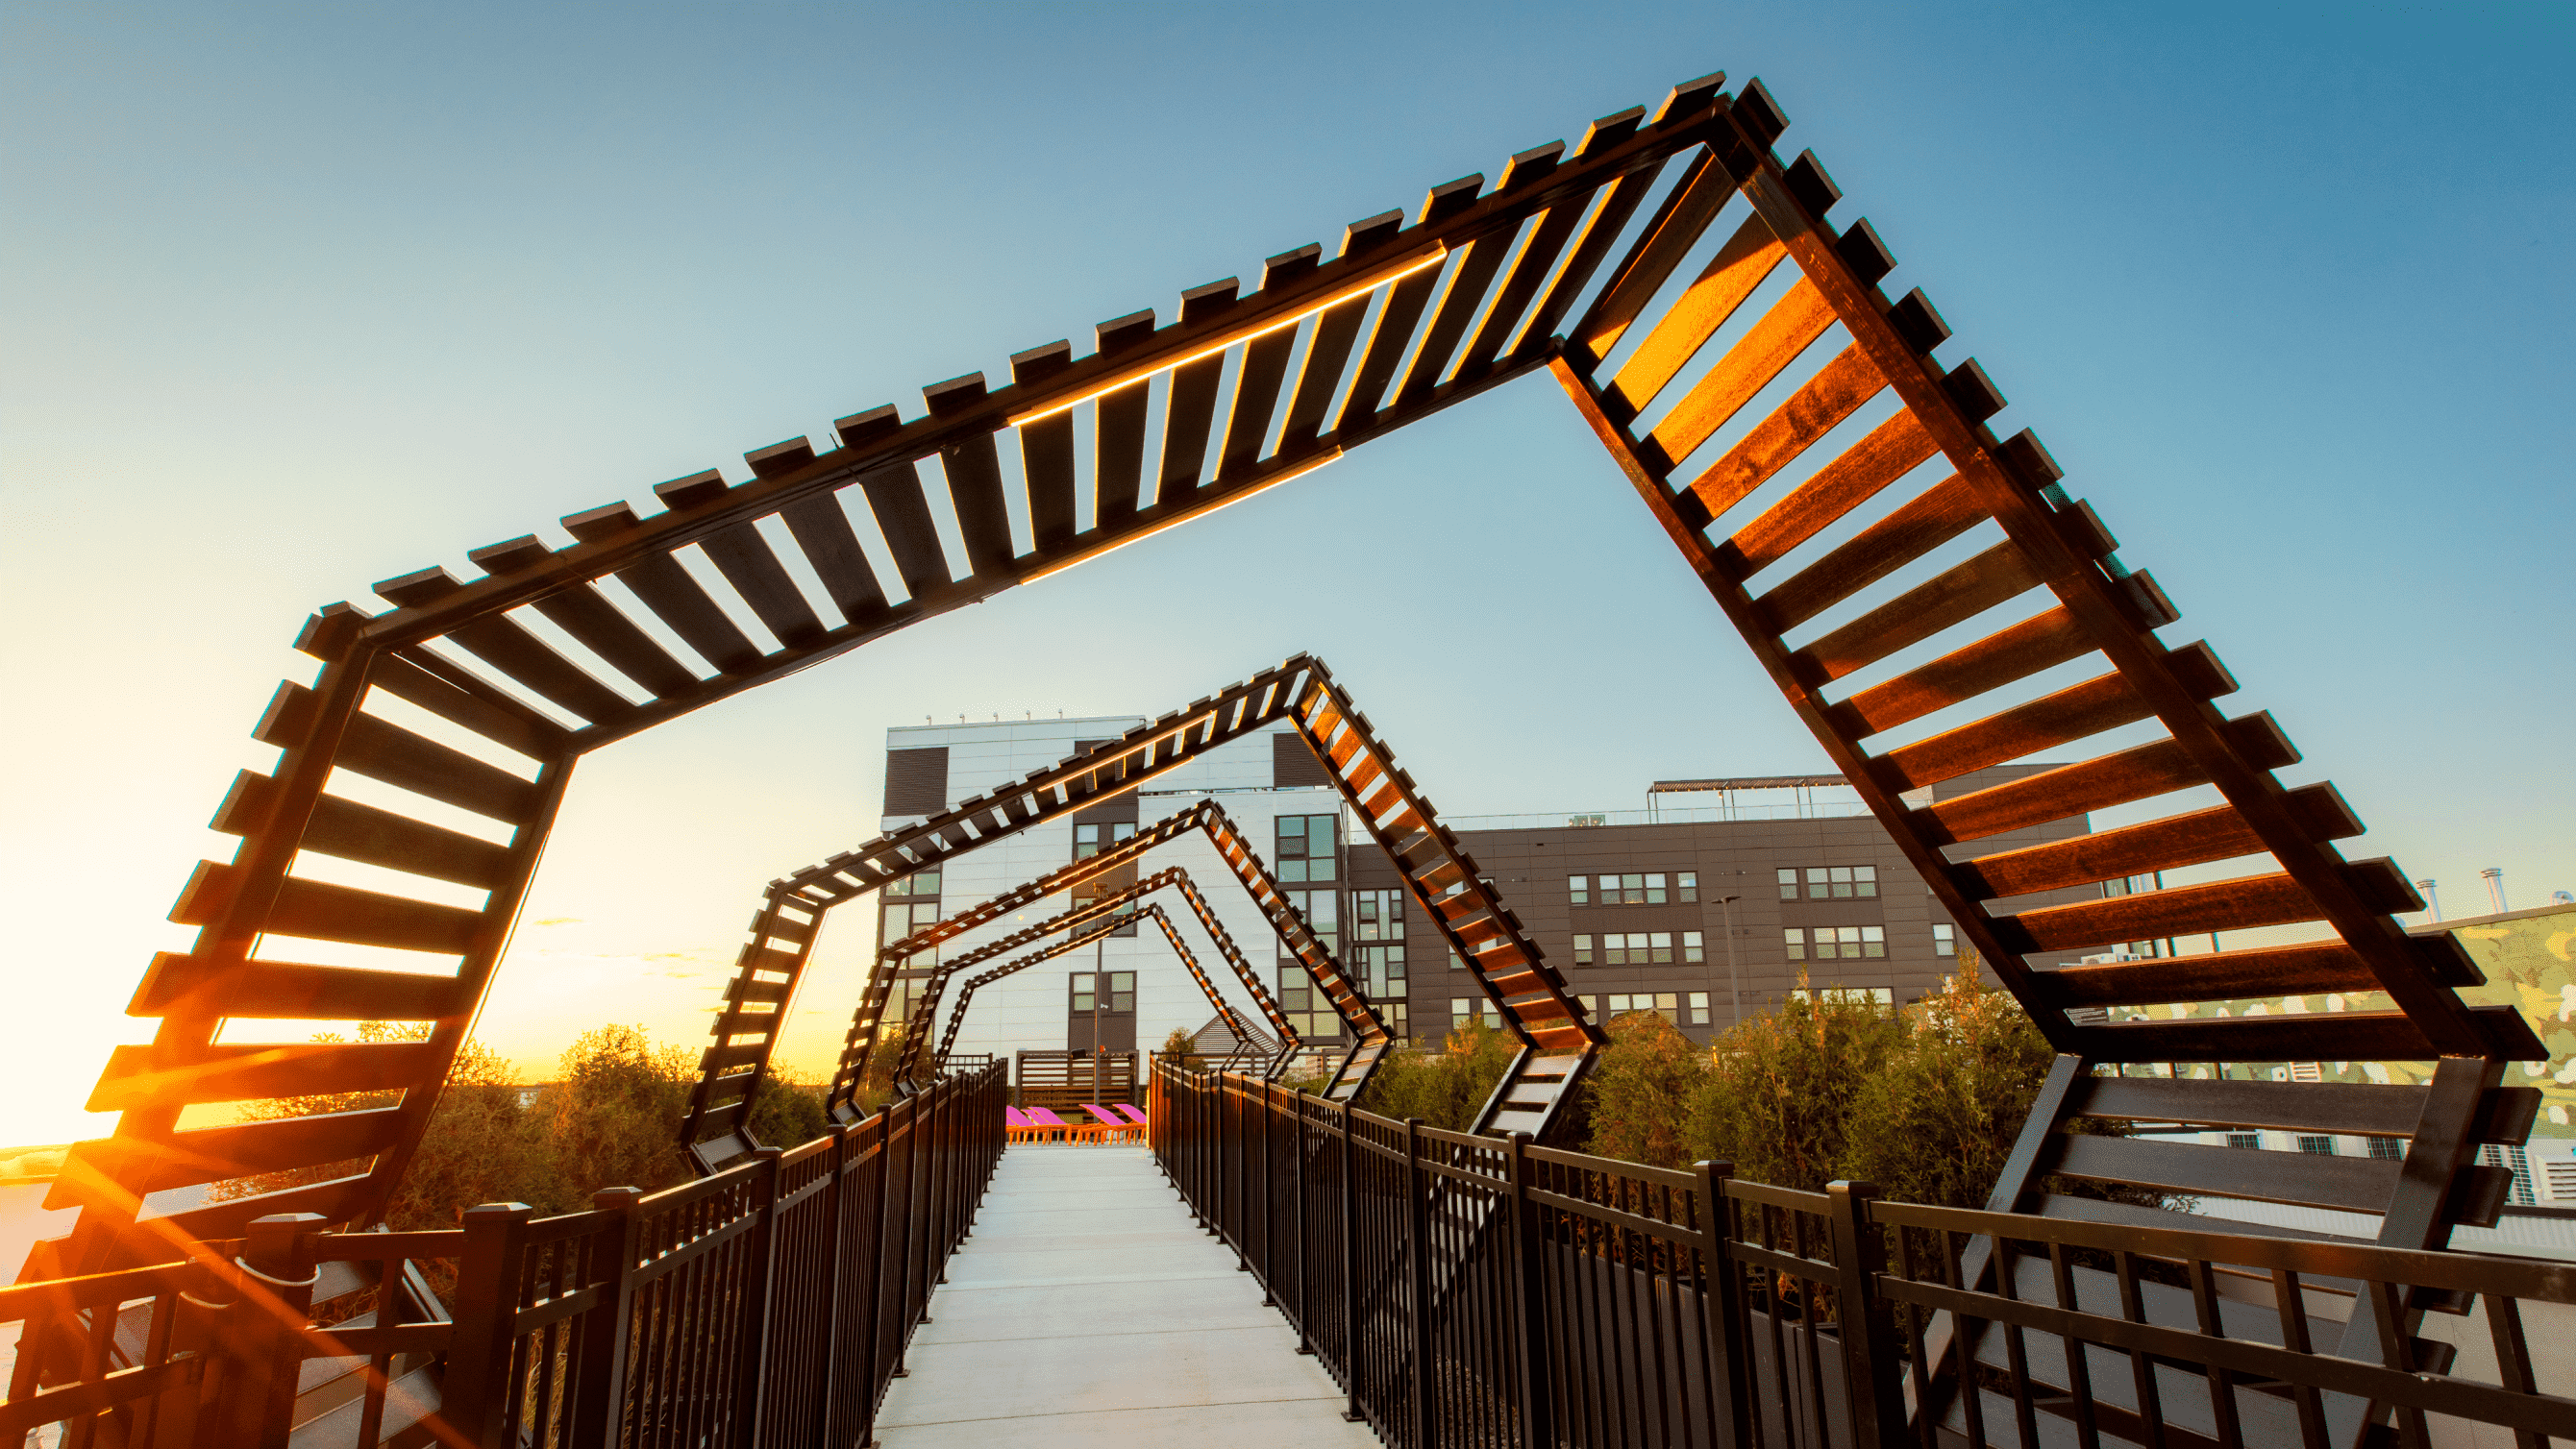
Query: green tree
{"x": 1179, "y": 1045}
{"x": 1780, "y": 1094}
{"x": 787, "y": 1110}
{"x": 614, "y": 1118}
{"x": 1641, "y": 1091}
{"x": 1443, "y": 1088}
{"x": 1942, "y": 1114}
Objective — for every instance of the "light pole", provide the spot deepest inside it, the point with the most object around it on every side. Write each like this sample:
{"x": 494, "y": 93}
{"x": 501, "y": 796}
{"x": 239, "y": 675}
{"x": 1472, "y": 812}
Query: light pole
{"x": 1734, "y": 984}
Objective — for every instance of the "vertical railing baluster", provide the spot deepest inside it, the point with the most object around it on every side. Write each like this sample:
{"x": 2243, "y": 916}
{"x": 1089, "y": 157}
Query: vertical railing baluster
{"x": 1417, "y": 1263}
{"x": 1351, "y": 1411}
{"x": 758, "y": 1292}
{"x": 1538, "y": 1425}
{"x": 1870, "y": 1358}
{"x": 262, "y": 1338}
{"x": 599, "y": 1391}
{"x": 475, "y": 1397}
{"x": 835, "y": 1233}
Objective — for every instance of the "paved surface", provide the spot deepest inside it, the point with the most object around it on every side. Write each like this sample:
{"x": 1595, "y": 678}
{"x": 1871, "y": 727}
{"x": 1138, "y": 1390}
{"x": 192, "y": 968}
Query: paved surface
{"x": 1086, "y": 1310}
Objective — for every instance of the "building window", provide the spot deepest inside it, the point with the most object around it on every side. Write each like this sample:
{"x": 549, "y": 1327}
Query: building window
{"x": 1307, "y": 847}
{"x": 2320, "y": 1146}
{"x": 1088, "y": 840}
{"x": 1832, "y": 882}
{"x": 1634, "y": 948}
{"x": 1849, "y": 943}
{"x": 2518, "y": 1162}
{"x": 1945, "y": 940}
{"x": 919, "y": 883}
{"x": 1579, "y": 888}
{"x": 1109, "y": 991}
{"x": 2245, "y": 1139}
{"x": 1583, "y": 950}
{"x": 1322, "y": 912}
{"x": 1463, "y": 1008}
{"x": 1308, "y": 1013}
{"x": 1456, "y": 961}
{"x": 1796, "y": 940}
{"x": 1378, "y": 971}
{"x": 1665, "y": 1004}
{"x": 1377, "y": 915}
{"x": 1632, "y": 888}
{"x": 1699, "y": 1008}
{"x": 1686, "y": 886}
{"x": 1692, "y": 949}
{"x": 899, "y": 919}
{"x": 2385, "y": 1149}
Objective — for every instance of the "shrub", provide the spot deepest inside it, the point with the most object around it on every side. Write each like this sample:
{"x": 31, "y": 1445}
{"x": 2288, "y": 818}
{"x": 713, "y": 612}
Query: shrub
{"x": 1941, "y": 1115}
{"x": 1443, "y": 1088}
{"x": 614, "y": 1119}
{"x": 787, "y": 1110}
{"x": 1781, "y": 1087}
{"x": 1640, "y": 1091}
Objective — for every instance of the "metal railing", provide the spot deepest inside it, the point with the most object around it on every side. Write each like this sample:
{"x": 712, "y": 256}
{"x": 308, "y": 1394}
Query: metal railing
{"x": 767, "y": 1305}
{"x": 1488, "y": 1291}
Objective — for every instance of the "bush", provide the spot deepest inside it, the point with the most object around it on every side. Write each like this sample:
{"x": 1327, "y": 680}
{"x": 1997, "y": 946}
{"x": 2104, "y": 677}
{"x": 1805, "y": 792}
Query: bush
{"x": 614, "y": 1118}
{"x": 1640, "y": 1090}
{"x": 787, "y": 1110}
{"x": 1443, "y": 1088}
{"x": 1781, "y": 1087}
{"x": 1942, "y": 1114}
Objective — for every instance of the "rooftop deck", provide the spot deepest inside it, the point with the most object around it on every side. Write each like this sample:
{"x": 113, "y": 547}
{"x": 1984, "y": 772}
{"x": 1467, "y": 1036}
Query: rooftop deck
{"x": 1088, "y": 1309}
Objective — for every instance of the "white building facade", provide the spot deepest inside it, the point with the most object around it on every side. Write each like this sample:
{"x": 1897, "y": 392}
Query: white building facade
{"x": 1128, "y": 985}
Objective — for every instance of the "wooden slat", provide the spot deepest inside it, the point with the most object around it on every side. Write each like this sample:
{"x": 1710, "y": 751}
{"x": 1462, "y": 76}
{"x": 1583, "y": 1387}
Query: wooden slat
{"x": 2352, "y": 1184}
{"x": 1740, "y": 266}
{"x": 2040, "y": 642}
{"x": 1600, "y": 232}
{"x": 510, "y": 724}
{"x": 903, "y": 517}
{"x": 181, "y": 985}
{"x": 1999, "y": 574}
{"x": 974, "y": 472}
{"x": 2139, "y": 773}
{"x": 1469, "y": 281}
{"x": 2191, "y": 910}
{"x": 587, "y": 615}
{"x": 1774, "y": 342}
{"x": 1321, "y": 376}
{"x": 352, "y": 831}
{"x": 2195, "y": 838}
{"x": 1836, "y": 392}
{"x": 2076, "y": 712}
{"x": 1403, "y": 308}
{"x": 334, "y": 1202}
{"x": 387, "y": 752}
{"x": 139, "y": 1076}
{"x": 1924, "y": 523}
{"x": 1529, "y": 272}
{"x": 2348, "y": 1108}
{"x": 215, "y": 1154}
{"x": 501, "y": 643}
{"x": 1189, "y": 414}
{"x": 678, "y": 601}
{"x": 1695, "y": 201}
{"x": 1892, "y": 449}
{"x": 1256, "y": 400}
{"x": 822, "y": 529}
{"x": 1046, "y": 452}
{"x": 322, "y": 911}
{"x": 749, "y": 564}
{"x": 2309, "y": 970}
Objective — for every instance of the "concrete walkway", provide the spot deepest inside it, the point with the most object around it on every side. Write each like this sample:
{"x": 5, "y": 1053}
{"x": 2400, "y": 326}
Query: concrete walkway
{"x": 1086, "y": 1310}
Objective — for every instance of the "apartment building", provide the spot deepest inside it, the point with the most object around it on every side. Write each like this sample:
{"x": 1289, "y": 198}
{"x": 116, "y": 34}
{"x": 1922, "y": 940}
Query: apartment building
{"x": 1721, "y": 901}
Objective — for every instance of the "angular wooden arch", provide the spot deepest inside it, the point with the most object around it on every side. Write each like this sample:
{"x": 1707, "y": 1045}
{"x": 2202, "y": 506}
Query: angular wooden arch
{"x": 1234, "y": 1022}
{"x": 556, "y": 651}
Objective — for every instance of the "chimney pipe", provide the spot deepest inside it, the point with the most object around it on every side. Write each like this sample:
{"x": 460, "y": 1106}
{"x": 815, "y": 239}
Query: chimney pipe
{"x": 2494, "y": 876}
{"x": 2431, "y": 897}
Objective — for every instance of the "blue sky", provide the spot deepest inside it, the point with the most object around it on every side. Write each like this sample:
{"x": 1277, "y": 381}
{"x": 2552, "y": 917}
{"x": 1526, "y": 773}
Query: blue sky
{"x": 300, "y": 298}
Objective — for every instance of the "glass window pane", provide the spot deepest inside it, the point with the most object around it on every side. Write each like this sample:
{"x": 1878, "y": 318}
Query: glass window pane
{"x": 1796, "y": 941}
{"x": 1692, "y": 950}
{"x": 1687, "y": 883}
{"x": 1320, "y": 868}
{"x": 1579, "y": 887}
{"x": 1292, "y": 870}
{"x": 1788, "y": 885}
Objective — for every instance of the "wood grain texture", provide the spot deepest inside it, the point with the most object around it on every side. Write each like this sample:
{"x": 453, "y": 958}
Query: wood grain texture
{"x": 1741, "y": 265}
{"x": 1858, "y": 474}
{"x": 1836, "y": 392}
{"x": 2040, "y": 642}
{"x": 1765, "y": 351}
{"x": 1993, "y": 577}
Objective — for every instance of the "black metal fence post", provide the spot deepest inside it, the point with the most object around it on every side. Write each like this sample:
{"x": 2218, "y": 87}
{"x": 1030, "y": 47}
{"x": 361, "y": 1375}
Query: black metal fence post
{"x": 475, "y": 1398}
{"x": 1350, "y": 1274}
{"x": 262, "y": 1343}
{"x": 1417, "y": 1264}
{"x": 1300, "y": 1186}
{"x": 1538, "y": 1423}
{"x": 1871, "y": 1361}
{"x": 836, "y": 1308}
{"x": 599, "y": 1389}
{"x": 759, "y": 1293}
{"x": 1269, "y": 1193}
{"x": 1724, "y": 1332}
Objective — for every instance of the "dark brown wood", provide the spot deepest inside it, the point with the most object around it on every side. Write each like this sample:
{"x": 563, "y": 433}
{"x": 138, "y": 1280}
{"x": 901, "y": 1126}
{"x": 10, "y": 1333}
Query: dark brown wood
{"x": 2350, "y": 1184}
{"x": 177, "y": 984}
{"x": 139, "y": 1075}
{"x": 1741, "y": 265}
{"x": 1388, "y": 338}
{"x": 1046, "y": 452}
{"x": 2140, "y": 773}
{"x": 1547, "y": 240}
{"x": 353, "y": 831}
{"x": 1912, "y": 530}
{"x": 1470, "y": 279}
{"x": 903, "y": 519}
{"x": 1698, "y": 196}
{"x": 749, "y": 564}
{"x": 2351, "y": 1109}
{"x": 320, "y": 910}
{"x": 2040, "y": 642}
{"x": 2073, "y": 713}
{"x": 1765, "y": 351}
{"x": 587, "y": 615}
{"x": 2194, "y": 838}
{"x": 1836, "y": 392}
{"x": 1993, "y": 577}
{"x": 685, "y": 607}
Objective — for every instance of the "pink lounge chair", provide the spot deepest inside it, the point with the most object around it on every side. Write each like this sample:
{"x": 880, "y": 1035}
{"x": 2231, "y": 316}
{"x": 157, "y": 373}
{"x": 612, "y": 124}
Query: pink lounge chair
{"x": 1112, "y": 1126}
{"x": 1017, "y": 1126}
{"x": 1131, "y": 1114}
{"x": 1064, "y": 1131}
